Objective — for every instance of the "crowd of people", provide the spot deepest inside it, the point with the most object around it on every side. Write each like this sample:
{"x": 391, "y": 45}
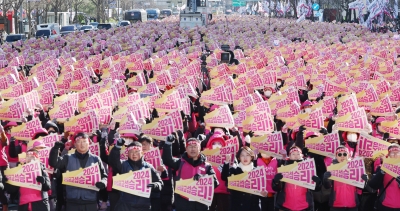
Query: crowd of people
{"x": 324, "y": 91}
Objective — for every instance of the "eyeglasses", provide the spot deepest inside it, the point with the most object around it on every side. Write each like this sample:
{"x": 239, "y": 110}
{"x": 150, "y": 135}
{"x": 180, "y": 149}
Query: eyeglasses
{"x": 342, "y": 154}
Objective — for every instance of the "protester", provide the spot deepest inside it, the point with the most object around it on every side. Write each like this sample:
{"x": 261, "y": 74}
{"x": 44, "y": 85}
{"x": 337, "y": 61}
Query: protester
{"x": 293, "y": 197}
{"x": 135, "y": 162}
{"x": 343, "y": 196}
{"x": 388, "y": 186}
{"x": 78, "y": 198}
{"x": 239, "y": 200}
{"x": 30, "y": 199}
{"x": 192, "y": 165}
{"x": 3, "y": 165}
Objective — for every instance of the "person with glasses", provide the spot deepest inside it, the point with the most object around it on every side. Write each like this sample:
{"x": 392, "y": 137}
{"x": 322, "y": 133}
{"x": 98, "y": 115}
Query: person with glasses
{"x": 343, "y": 197}
{"x": 78, "y": 198}
{"x": 135, "y": 162}
{"x": 30, "y": 199}
{"x": 388, "y": 186}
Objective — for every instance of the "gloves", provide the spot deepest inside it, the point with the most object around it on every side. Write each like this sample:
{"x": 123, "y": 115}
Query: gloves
{"x": 316, "y": 179}
{"x": 364, "y": 177}
{"x": 278, "y": 177}
{"x": 385, "y": 136}
{"x": 251, "y": 134}
{"x": 152, "y": 185}
{"x": 327, "y": 175}
{"x": 323, "y": 131}
{"x": 40, "y": 179}
{"x": 120, "y": 142}
{"x": 170, "y": 139}
{"x": 100, "y": 185}
{"x": 58, "y": 145}
{"x": 302, "y": 128}
{"x": 196, "y": 177}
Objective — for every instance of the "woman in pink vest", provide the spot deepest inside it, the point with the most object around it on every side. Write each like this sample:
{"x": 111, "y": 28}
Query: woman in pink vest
{"x": 221, "y": 195}
{"x": 271, "y": 168}
{"x": 241, "y": 201}
{"x": 292, "y": 197}
{"x": 30, "y": 199}
{"x": 389, "y": 186}
{"x": 343, "y": 197}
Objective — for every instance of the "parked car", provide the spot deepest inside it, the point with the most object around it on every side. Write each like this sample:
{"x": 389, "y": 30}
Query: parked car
{"x": 52, "y": 30}
{"x": 15, "y": 37}
{"x": 86, "y": 28}
{"x": 124, "y": 23}
{"x": 68, "y": 29}
{"x": 106, "y": 26}
{"x": 43, "y": 33}
{"x": 94, "y": 24}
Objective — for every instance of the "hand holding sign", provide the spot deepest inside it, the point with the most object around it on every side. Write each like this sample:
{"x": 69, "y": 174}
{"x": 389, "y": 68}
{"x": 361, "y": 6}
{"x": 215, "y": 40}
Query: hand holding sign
{"x": 25, "y": 175}
{"x": 83, "y": 178}
{"x": 349, "y": 172}
{"x": 253, "y": 182}
{"x": 201, "y": 191}
{"x": 300, "y": 174}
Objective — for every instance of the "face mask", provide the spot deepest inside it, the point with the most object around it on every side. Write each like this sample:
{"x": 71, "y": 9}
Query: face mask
{"x": 216, "y": 146}
{"x": 267, "y": 93}
{"x": 128, "y": 141}
{"x": 352, "y": 137}
{"x": 278, "y": 83}
{"x": 307, "y": 110}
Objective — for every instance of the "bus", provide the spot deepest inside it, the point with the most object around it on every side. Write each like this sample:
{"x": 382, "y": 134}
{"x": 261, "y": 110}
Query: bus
{"x": 166, "y": 12}
{"x": 153, "y": 14}
{"x": 135, "y": 15}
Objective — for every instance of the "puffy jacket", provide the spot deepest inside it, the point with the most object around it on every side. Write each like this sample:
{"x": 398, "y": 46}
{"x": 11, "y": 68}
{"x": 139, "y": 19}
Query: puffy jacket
{"x": 342, "y": 195}
{"x": 389, "y": 198}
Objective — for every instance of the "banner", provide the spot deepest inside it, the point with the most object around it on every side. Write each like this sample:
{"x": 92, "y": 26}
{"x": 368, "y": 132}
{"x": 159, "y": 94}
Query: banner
{"x": 300, "y": 173}
{"x": 134, "y": 182}
{"x": 270, "y": 144}
{"x": 26, "y": 131}
{"x": 44, "y": 155}
{"x": 105, "y": 114}
{"x": 220, "y": 117}
{"x": 382, "y": 107}
{"x": 129, "y": 124}
{"x": 353, "y": 122}
{"x": 177, "y": 119}
{"x": 233, "y": 141}
{"x": 288, "y": 111}
{"x": 391, "y": 127}
{"x": 48, "y": 140}
{"x": 349, "y": 172}
{"x": 168, "y": 102}
{"x": 324, "y": 145}
{"x": 201, "y": 191}
{"x": 243, "y": 103}
{"x": 87, "y": 122}
{"x": 346, "y": 104}
{"x": 391, "y": 166}
{"x": 153, "y": 156}
{"x": 11, "y": 110}
{"x": 313, "y": 121}
{"x": 159, "y": 128}
{"x": 259, "y": 123}
{"x": 91, "y": 103}
{"x": 83, "y": 178}
{"x": 25, "y": 175}
{"x": 239, "y": 92}
{"x": 252, "y": 182}
{"x": 215, "y": 96}
{"x": 217, "y": 157}
{"x": 62, "y": 111}
{"x": 371, "y": 147}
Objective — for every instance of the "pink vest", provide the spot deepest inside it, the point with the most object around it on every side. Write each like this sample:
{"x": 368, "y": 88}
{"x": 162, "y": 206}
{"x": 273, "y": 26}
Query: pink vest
{"x": 270, "y": 170}
{"x": 28, "y": 195}
{"x": 296, "y": 197}
{"x": 344, "y": 195}
{"x": 188, "y": 171}
{"x": 221, "y": 187}
{"x": 392, "y": 193}
{"x": 109, "y": 178}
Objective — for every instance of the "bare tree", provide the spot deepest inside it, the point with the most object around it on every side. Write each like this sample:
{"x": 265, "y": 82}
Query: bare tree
{"x": 76, "y": 4}
{"x": 6, "y": 5}
{"x": 57, "y": 5}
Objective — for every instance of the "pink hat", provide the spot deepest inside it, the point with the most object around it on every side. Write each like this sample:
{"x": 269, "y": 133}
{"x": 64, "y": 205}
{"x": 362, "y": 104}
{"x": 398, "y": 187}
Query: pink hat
{"x": 309, "y": 134}
{"x": 307, "y": 103}
{"x": 129, "y": 135}
{"x": 40, "y": 131}
{"x": 379, "y": 120}
{"x": 10, "y": 124}
{"x": 38, "y": 144}
{"x": 213, "y": 107}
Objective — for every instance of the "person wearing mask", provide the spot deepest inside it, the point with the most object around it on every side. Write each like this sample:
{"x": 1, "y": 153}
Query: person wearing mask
{"x": 293, "y": 197}
{"x": 135, "y": 162}
{"x": 192, "y": 164}
{"x": 30, "y": 199}
{"x": 241, "y": 201}
{"x": 221, "y": 199}
{"x": 307, "y": 105}
{"x": 78, "y": 198}
{"x": 343, "y": 197}
{"x": 388, "y": 186}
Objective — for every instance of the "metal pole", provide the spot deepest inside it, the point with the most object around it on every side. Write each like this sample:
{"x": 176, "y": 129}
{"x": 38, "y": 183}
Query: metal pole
{"x": 269, "y": 16}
